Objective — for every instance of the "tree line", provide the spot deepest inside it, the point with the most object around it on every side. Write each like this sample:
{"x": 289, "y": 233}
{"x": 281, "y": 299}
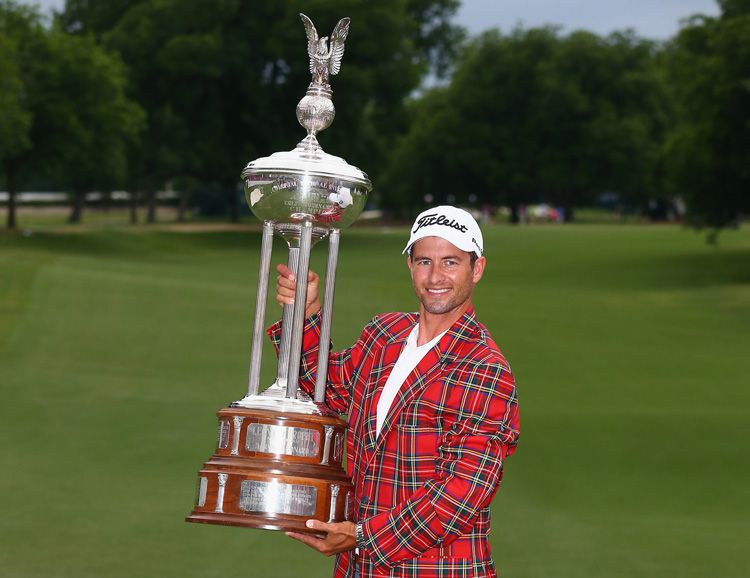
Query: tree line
{"x": 130, "y": 94}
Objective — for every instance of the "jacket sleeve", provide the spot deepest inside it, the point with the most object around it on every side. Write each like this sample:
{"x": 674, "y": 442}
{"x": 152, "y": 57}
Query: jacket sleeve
{"x": 342, "y": 365}
{"x": 468, "y": 470}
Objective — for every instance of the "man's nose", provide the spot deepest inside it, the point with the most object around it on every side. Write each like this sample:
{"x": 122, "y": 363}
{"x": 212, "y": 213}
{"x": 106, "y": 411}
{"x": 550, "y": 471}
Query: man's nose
{"x": 435, "y": 274}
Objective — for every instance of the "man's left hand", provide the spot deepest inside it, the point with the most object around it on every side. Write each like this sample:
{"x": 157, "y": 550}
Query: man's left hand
{"x": 340, "y": 537}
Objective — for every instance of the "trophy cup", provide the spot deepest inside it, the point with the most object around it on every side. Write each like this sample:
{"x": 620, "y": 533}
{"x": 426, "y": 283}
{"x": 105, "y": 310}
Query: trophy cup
{"x": 278, "y": 458}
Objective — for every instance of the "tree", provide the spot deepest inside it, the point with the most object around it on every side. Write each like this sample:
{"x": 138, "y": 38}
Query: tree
{"x": 535, "y": 116}
{"x": 607, "y": 111}
{"x": 20, "y": 33}
{"x": 93, "y": 116}
{"x": 708, "y": 152}
{"x": 473, "y": 141}
{"x": 220, "y": 79}
{"x": 15, "y": 120}
{"x": 78, "y": 120}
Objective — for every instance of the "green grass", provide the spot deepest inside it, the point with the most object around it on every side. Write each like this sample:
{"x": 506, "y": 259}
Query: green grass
{"x": 629, "y": 344}
{"x": 56, "y": 216}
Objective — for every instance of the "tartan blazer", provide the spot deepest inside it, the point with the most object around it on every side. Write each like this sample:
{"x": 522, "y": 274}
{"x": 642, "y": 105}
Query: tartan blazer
{"x": 422, "y": 488}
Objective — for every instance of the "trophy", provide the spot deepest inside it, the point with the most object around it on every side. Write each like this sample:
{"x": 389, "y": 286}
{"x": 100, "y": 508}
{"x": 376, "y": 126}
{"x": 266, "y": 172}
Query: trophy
{"x": 278, "y": 458}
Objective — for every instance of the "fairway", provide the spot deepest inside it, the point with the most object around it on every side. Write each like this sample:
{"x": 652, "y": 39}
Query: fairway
{"x": 628, "y": 342}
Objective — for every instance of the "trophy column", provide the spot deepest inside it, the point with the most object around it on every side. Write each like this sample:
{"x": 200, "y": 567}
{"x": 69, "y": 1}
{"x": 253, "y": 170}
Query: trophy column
{"x": 279, "y": 452}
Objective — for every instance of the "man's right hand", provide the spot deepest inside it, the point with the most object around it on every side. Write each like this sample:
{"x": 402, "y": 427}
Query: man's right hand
{"x": 286, "y": 284}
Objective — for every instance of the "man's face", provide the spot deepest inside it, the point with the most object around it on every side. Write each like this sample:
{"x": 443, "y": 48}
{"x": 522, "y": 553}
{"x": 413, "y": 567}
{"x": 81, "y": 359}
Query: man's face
{"x": 442, "y": 274}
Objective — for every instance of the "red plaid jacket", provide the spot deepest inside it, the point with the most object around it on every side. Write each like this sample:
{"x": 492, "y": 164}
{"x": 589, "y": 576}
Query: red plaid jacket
{"x": 423, "y": 487}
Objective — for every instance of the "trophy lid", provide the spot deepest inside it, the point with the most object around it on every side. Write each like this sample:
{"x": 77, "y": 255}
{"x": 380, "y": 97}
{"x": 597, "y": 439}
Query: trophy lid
{"x": 307, "y": 159}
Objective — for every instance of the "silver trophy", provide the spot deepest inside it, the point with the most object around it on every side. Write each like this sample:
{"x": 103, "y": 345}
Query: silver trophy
{"x": 279, "y": 453}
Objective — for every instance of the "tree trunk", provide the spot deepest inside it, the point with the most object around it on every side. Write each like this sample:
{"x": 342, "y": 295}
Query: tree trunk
{"x": 10, "y": 177}
{"x": 106, "y": 201}
{"x": 133, "y": 207}
{"x": 79, "y": 199}
{"x": 183, "y": 206}
{"x": 515, "y": 213}
{"x": 234, "y": 206}
{"x": 151, "y": 205}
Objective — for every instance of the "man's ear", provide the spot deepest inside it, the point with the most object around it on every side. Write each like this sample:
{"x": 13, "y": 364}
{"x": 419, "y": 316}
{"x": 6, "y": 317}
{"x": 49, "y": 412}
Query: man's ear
{"x": 478, "y": 271}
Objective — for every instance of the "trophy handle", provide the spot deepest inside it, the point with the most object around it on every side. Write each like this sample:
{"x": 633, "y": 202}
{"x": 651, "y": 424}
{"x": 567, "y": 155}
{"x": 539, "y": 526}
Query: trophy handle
{"x": 286, "y": 327}
{"x": 260, "y": 309}
{"x": 298, "y": 320}
{"x": 326, "y": 315}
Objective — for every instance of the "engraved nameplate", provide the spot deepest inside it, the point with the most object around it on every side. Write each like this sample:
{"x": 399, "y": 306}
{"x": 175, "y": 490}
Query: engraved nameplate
{"x": 223, "y": 437}
{"x": 202, "y": 487}
{"x": 277, "y": 498}
{"x": 279, "y": 439}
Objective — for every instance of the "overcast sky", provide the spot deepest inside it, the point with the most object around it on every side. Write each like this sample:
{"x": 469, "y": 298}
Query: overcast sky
{"x": 658, "y": 19}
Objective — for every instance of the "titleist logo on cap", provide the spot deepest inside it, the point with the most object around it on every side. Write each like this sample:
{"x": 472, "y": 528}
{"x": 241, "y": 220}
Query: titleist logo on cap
{"x": 435, "y": 219}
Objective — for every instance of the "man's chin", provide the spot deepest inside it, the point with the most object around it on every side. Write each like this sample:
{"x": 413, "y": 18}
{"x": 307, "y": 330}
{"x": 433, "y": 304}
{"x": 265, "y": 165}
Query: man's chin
{"x": 438, "y": 308}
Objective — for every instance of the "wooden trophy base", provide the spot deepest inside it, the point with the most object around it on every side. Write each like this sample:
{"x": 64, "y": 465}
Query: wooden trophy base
{"x": 274, "y": 470}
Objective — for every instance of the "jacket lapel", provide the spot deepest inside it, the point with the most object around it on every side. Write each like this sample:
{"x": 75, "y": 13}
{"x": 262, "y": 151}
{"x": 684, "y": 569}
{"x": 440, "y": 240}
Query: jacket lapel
{"x": 388, "y": 357}
{"x": 427, "y": 370}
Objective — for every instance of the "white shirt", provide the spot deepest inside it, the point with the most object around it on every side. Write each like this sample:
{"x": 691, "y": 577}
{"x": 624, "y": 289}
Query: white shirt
{"x": 410, "y": 357}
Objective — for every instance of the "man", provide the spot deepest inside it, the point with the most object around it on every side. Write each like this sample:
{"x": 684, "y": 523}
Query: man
{"x": 432, "y": 412}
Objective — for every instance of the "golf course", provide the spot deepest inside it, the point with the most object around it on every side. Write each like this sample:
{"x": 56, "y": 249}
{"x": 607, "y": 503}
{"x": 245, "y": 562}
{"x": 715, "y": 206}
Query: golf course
{"x": 628, "y": 343}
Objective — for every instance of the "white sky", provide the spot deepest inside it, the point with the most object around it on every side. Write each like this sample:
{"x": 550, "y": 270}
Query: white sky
{"x": 658, "y": 19}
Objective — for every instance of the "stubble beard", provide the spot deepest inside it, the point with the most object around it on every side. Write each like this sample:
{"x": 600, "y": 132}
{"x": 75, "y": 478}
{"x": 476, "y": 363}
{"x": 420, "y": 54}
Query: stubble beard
{"x": 437, "y": 307}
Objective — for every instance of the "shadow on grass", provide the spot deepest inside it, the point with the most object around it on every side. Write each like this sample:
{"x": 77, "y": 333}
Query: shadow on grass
{"x": 636, "y": 270}
{"x": 151, "y": 245}
{"x": 670, "y": 272}
{"x": 566, "y": 264}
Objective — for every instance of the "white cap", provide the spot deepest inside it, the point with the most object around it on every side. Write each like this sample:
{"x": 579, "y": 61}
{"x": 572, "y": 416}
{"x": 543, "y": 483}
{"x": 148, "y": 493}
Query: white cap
{"x": 450, "y": 223}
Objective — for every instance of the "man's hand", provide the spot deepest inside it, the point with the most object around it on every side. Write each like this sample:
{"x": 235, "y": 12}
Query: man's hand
{"x": 286, "y": 285}
{"x": 340, "y": 537}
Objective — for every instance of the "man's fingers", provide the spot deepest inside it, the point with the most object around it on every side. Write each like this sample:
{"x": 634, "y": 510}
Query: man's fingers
{"x": 336, "y": 537}
{"x": 308, "y": 539}
{"x": 320, "y": 526}
{"x": 286, "y": 278}
{"x": 285, "y": 271}
{"x": 286, "y": 288}
{"x": 285, "y": 285}
{"x": 284, "y": 291}
{"x": 312, "y": 541}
